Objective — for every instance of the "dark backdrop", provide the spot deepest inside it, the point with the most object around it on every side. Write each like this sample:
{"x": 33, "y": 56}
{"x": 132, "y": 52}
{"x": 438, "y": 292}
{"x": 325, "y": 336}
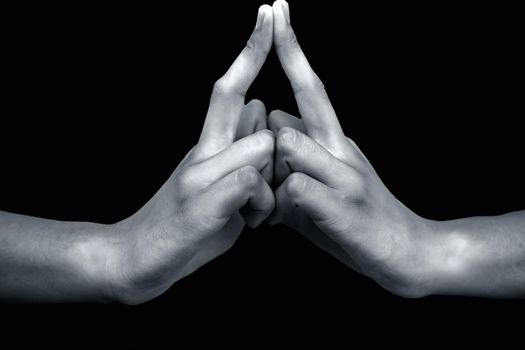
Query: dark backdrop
{"x": 100, "y": 104}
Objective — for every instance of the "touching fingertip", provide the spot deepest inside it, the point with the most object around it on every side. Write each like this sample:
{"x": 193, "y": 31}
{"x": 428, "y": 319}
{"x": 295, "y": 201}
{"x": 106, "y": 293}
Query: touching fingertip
{"x": 280, "y": 15}
{"x": 265, "y": 11}
{"x": 268, "y": 133}
{"x": 265, "y": 8}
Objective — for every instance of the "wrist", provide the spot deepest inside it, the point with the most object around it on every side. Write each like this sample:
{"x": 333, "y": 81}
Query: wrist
{"x": 141, "y": 258}
{"x": 418, "y": 270}
{"x": 449, "y": 258}
{"x": 95, "y": 258}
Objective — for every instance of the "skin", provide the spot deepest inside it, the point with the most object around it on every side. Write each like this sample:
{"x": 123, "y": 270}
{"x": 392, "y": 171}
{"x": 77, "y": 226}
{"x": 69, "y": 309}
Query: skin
{"x": 197, "y": 215}
{"x": 328, "y": 191}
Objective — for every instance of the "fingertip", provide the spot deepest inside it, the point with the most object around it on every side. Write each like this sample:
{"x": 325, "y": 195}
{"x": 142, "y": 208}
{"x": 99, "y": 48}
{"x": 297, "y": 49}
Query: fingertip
{"x": 279, "y": 4}
{"x": 278, "y": 10}
{"x": 286, "y": 135}
{"x": 266, "y": 141}
{"x": 256, "y": 104}
{"x": 283, "y": 8}
{"x": 251, "y": 220}
{"x": 266, "y": 15}
{"x": 263, "y": 32}
{"x": 274, "y": 115}
{"x": 289, "y": 142}
{"x": 286, "y": 9}
{"x": 265, "y": 11}
{"x": 267, "y": 135}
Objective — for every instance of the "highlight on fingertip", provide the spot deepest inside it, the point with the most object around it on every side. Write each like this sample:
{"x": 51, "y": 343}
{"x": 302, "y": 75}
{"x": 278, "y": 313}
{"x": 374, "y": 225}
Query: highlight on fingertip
{"x": 265, "y": 11}
{"x": 286, "y": 9}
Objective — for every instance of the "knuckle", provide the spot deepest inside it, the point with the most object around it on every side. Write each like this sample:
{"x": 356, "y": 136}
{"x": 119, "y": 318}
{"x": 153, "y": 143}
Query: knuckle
{"x": 247, "y": 176}
{"x": 222, "y": 87}
{"x": 263, "y": 141}
{"x": 186, "y": 178}
{"x": 266, "y": 138}
{"x": 287, "y": 138}
{"x": 225, "y": 87}
{"x": 311, "y": 84}
{"x": 357, "y": 188}
{"x": 291, "y": 141}
{"x": 360, "y": 185}
{"x": 253, "y": 46}
{"x": 296, "y": 184}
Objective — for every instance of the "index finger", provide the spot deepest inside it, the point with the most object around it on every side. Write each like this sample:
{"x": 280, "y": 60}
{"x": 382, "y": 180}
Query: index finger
{"x": 313, "y": 102}
{"x": 227, "y": 99}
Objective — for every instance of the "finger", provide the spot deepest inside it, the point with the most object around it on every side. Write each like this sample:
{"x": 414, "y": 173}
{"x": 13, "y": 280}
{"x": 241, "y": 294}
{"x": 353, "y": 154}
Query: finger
{"x": 279, "y": 119}
{"x": 321, "y": 204}
{"x": 244, "y": 186}
{"x": 255, "y": 150}
{"x": 286, "y": 201}
{"x": 300, "y": 190}
{"x": 313, "y": 102}
{"x": 253, "y": 118}
{"x": 227, "y": 99}
{"x": 296, "y": 152}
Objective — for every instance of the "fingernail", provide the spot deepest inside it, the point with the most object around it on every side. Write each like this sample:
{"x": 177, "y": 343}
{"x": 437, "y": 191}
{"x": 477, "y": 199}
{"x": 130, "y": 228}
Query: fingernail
{"x": 286, "y": 10}
{"x": 260, "y": 18}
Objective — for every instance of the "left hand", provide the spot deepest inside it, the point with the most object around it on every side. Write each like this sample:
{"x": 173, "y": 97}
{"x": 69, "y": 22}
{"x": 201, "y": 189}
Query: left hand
{"x": 221, "y": 185}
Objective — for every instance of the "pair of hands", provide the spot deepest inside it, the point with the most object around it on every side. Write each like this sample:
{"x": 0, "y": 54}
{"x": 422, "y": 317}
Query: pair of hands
{"x": 325, "y": 188}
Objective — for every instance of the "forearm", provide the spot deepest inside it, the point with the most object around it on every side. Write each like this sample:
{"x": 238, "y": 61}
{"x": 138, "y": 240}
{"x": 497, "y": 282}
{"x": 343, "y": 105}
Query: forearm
{"x": 480, "y": 256}
{"x": 51, "y": 261}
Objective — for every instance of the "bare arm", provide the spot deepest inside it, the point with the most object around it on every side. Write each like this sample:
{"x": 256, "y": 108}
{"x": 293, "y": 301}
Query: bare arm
{"x": 48, "y": 261}
{"x": 221, "y": 185}
{"x": 480, "y": 256}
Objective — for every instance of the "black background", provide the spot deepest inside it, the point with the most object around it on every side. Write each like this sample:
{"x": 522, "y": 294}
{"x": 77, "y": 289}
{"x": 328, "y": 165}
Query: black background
{"x": 100, "y": 104}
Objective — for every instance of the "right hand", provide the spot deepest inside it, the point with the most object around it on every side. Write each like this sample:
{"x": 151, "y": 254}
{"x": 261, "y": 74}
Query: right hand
{"x": 328, "y": 190}
{"x": 219, "y": 186}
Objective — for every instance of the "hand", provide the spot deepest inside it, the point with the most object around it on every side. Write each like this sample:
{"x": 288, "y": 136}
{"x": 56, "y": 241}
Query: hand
{"x": 219, "y": 186}
{"x": 329, "y": 191}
